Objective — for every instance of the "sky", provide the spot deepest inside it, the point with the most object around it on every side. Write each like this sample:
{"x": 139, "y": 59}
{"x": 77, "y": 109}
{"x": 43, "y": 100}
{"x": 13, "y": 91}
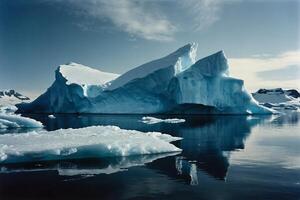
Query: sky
{"x": 261, "y": 38}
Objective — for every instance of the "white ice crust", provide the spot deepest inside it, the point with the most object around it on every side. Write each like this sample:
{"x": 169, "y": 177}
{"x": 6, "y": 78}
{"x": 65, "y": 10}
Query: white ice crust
{"x": 94, "y": 141}
{"x": 11, "y": 97}
{"x": 84, "y": 75}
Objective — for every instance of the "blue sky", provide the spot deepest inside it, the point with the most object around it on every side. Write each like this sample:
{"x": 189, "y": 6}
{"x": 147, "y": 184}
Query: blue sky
{"x": 260, "y": 37}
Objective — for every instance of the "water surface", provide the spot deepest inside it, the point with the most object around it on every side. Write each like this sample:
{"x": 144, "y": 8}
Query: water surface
{"x": 224, "y": 157}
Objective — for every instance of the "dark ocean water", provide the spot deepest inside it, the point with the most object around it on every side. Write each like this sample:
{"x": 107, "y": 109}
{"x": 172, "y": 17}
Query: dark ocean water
{"x": 223, "y": 158}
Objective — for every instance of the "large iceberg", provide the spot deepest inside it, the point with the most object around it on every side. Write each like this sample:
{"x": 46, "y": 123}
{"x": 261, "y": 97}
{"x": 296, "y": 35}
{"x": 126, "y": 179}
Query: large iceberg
{"x": 89, "y": 142}
{"x": 173, "y": 84}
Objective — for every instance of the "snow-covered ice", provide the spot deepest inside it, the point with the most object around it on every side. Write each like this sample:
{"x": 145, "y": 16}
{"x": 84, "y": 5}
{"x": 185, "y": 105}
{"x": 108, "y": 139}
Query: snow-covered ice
{"x": 17, "y": 121}
{"x": 153, "y": 120}
{"x": 94, "y": 141}
{"x": 11, "y": 97}
{"x": 8, "y": 118}
{"x": 83, "y": 75}
{"x": 278, "y": 99}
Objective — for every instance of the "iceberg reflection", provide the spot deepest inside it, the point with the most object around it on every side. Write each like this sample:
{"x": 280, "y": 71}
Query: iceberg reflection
{"x": 84, "y": 167}
{"x": 207, "y": 144}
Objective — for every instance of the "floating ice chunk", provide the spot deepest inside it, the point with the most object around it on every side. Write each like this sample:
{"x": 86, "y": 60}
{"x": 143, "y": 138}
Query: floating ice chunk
{"x": 94, "y": 141}
{"x": 153, "y": 120}
{"x": 51, "y": 116}
{"x": 17, "y": 121}
{"x": 7, "y": 109}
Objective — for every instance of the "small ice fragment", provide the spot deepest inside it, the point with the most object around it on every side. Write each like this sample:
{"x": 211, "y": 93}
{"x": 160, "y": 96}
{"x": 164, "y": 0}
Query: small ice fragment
{"x": 153, "y": 120}
{"x": 51, "y": 116}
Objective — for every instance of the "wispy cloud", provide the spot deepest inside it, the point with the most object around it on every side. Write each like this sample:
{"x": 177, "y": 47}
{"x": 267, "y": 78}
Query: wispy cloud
{"x": 146, "y": 19}
{"x": 204, "y": 13}
{"x": 138, "y": 18}
{"x": 287, "y": 73}
{"x": 259, "y": 71}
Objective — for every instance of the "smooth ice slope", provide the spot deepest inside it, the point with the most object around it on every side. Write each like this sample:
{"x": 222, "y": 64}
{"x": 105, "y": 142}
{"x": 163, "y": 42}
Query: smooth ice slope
{"x": 182, "y": 59}
{"x": 173, "y": 84}
{"x": 95, "y": 141}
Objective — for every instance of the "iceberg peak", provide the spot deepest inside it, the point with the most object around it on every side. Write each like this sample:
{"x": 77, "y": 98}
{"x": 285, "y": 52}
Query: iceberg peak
{"x": 213, "y": 65}
{"x": 182, "y": 58}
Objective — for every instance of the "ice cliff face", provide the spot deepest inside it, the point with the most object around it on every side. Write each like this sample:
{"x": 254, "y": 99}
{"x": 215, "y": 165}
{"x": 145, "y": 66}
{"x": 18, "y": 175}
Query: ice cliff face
{"x": 173, "y": 84}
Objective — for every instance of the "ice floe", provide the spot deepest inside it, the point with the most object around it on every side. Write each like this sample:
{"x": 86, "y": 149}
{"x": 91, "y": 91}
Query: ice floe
{"x": 10, "y": 120}
{"x": 153, "y": 120}
{"x": 51, "y": 116}
{"x": 91, "y": 142}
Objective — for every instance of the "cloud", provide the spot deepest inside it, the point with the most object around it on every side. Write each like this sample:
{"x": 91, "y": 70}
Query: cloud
{"x": 257, "y": 71}
{"x": 138, "y": 18}
{"x": 148, "y": 19}
{"x": 204, "y": 12}
{"x": 291, "y": 72}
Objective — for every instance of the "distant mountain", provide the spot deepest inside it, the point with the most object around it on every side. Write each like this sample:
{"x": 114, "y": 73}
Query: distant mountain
{"x": 11, "y": 97}
{"x": 278, "y": 98}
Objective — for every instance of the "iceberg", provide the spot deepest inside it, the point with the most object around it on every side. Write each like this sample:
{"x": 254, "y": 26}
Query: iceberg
{"x": 174, "y": 84}
{"x": 89, "y": 142}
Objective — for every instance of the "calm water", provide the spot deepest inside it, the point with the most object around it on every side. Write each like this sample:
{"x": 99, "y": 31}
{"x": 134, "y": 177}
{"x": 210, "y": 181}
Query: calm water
{"x": 225, "y": 157}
